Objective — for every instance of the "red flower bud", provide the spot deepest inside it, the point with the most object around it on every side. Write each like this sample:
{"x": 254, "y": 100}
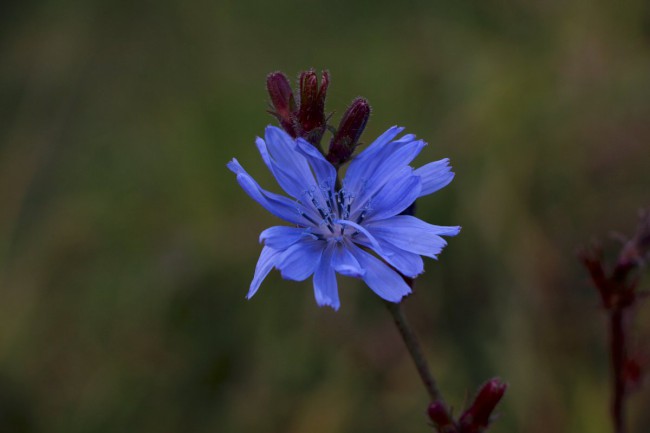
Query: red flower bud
{"x": 311, "y": 114}
{"x": 439, "y": 414}
{"x": 347, "y": 136}
{"x": 478, "y": 416}
{"x": 282, "y": 100}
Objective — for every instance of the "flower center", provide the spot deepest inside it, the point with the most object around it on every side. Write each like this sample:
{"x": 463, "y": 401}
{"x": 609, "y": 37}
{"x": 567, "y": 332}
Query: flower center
{"x": 335, "y": 220}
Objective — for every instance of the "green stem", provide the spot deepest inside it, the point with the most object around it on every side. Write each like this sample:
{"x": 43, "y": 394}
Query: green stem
{"x": 413, "y": 346}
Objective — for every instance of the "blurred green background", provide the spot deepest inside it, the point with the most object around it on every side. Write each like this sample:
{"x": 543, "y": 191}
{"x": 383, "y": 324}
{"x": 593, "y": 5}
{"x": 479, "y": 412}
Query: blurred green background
{"x": 126, "y": 247}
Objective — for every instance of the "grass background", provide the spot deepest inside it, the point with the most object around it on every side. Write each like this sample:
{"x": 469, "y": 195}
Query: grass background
{"x": 126, "y": 247}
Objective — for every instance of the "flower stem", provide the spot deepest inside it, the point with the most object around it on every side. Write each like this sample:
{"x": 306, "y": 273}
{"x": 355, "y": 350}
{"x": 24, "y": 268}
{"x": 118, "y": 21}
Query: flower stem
{"x": 618, "y": 349}
{"x": 413, "y": 346}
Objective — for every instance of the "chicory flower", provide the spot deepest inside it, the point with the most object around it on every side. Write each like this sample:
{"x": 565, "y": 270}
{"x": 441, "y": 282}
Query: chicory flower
{"x": 356, "y": 229}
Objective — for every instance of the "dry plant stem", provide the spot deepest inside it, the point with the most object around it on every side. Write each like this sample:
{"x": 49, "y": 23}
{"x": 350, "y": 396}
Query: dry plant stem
{"x": 413, "y": 346}
{"x": 618, "y": 349}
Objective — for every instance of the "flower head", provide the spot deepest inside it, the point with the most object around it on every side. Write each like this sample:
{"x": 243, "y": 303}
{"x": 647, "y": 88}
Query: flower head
{"x": 337, "y": 230}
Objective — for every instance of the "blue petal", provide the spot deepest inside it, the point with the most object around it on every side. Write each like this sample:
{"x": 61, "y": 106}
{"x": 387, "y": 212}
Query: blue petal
{"x": 388, "y": 164}
{"x": 324, "y": 170}
{"x": 267, "y": 260}
{"x": 395, "y": 157}
{"x": 406, "y": 263}
{"x": 344, "y": 262}
{"x": 363, "y": 164}
{"x": 384, "y": 281}
{"x": 291, "y": 179}
{"x": 283, "y": 151}
{"x": 299, "y": 261}
{"x": 278, "y": 205}
{"x": 412, "y": 234}
{"x": 325, "y": 288}
{"x": 435, "y": 175}
{"x": 362, "y": 230}
{"x": 282, "y": 237}
{"x": 395, "y": 196}
{"x": 380, "y": 142}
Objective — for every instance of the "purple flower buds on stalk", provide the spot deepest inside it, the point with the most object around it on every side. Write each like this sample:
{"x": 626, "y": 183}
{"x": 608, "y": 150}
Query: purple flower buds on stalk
{"x": 439, "y": 414}
{"x": 308, "y": 120}
{"x": 617, "y": 288}
{"x": 478, "y": 416}
{"x": 282, "y": 100}
{"x": 347, "y": 136}
{"x": 312, "y": 106}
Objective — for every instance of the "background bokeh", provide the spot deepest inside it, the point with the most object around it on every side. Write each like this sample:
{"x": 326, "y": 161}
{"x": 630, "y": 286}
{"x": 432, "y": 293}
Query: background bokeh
{"x": 126, "y": 247}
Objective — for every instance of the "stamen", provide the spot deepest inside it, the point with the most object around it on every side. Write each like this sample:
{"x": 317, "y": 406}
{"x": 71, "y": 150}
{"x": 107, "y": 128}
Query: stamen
{"x": 339, "y": 202}
{"x": 330, "y": 199}
{"x": 305, "y": 216}
{"x": 329, "y": 225}
{"x": 348, "y": 206}
{"x": 366, "y": 207}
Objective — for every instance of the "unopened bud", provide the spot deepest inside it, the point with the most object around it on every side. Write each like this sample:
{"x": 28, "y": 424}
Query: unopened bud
{"x": 283, "y": 101}
{"x": 440, "y": 417}
{"x": 478, "y": 416}
{"x": 311, "y": 114}
{"x": 347, "y": 136}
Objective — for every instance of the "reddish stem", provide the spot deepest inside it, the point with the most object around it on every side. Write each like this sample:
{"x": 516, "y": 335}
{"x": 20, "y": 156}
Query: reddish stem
{"x": 618, "y": 353}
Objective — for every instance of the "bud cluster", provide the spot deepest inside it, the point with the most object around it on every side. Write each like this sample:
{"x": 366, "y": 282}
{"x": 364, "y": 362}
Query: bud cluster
{"x": 617, "y": 286}
{"x": 476, "y": 418}
{"x": 306, "y": 118}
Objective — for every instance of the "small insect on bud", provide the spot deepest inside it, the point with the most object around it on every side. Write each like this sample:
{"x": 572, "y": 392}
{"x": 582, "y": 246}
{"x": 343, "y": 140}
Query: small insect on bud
{"x": 283, "y": 101}
{"x": 347, "y": 136}
{"x": 311, "y": 114}
{"x": 478, "y": 416}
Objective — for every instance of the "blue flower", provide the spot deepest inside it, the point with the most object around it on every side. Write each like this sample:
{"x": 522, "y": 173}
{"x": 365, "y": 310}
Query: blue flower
{"x": 335, "y": 228}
